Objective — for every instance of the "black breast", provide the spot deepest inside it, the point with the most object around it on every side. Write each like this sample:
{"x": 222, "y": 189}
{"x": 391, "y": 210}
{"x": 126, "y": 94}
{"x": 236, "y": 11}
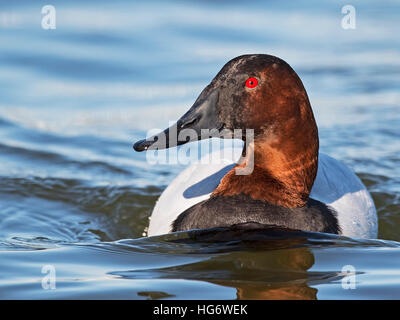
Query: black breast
{"x": 231, "y": 210}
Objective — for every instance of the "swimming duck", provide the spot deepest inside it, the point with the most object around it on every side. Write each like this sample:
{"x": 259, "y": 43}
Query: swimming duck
{"x": 291, "y": 184}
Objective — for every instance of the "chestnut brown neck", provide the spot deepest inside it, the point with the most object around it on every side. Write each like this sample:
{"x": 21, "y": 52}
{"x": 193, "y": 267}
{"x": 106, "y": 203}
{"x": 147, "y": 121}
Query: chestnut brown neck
{"x": 285, "y": 166}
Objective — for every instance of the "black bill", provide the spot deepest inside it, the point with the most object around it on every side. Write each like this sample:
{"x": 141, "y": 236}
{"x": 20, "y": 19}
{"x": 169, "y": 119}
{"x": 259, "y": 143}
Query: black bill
{"x": 200, "y": 122}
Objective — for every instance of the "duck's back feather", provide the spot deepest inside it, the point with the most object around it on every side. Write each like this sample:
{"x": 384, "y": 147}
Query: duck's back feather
{"x": 335, "y": 185}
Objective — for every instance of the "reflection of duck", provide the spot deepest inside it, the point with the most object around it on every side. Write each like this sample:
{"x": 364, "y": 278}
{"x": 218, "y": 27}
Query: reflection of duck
{"x": 293, "y": 292}
{"x": 288, "y": 272}
{"x": 260, "y": 262}
{"x": 290, "y": 184}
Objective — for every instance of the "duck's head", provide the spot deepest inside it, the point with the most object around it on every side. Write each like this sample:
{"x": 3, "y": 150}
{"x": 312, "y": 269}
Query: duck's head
{"x": 263, "y": 93}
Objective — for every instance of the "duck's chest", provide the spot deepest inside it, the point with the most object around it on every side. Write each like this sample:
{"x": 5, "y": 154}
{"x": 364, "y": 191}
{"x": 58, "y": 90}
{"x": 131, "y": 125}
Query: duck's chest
{"x": 232, "y": 210}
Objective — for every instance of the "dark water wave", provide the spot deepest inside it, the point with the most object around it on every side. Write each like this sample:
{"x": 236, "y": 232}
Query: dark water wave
{"x": 126, "y": 207}
{"x": 50, "y": 158}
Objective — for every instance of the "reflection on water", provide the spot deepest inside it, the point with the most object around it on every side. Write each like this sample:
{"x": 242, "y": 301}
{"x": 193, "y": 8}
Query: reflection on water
{"x": 291, "y": 265}
{"x": 74, "y": 195}
{"x": 268, "y": 263}
{"x": 269, "y": 271}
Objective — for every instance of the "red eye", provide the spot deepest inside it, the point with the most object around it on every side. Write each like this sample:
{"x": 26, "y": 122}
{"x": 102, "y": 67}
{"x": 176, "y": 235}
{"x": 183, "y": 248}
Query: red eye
{"x": 251, "y": 83}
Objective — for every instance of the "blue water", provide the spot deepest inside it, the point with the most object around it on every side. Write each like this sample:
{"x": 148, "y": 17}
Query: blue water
{"x": 75, "y": 196}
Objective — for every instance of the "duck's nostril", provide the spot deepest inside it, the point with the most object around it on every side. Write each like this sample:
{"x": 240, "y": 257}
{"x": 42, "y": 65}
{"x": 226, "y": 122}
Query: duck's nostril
{"x": 188, "y": 123}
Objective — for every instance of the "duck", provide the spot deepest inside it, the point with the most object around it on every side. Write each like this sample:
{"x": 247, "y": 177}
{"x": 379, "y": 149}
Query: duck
{"x": 279, "y": 179}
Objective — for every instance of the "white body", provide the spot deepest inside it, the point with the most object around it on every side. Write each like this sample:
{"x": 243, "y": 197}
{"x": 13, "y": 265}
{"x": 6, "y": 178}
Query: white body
{"x": 335, "y": 185}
